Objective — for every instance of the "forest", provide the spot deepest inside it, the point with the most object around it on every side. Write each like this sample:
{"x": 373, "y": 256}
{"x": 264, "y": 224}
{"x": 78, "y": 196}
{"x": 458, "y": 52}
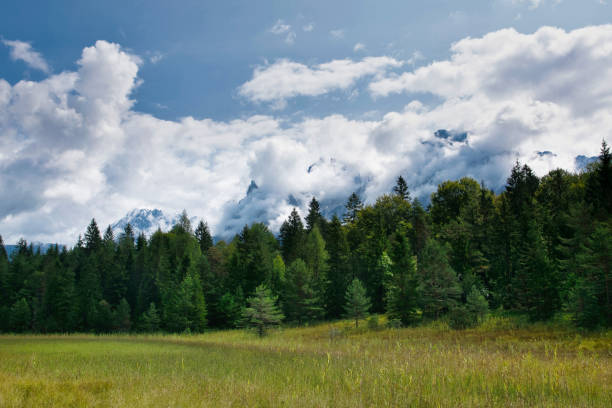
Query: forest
{"x": 542, "y": 248}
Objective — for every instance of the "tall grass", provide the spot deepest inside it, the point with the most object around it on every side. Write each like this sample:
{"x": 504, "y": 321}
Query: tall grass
{"x": 502, "y": 363}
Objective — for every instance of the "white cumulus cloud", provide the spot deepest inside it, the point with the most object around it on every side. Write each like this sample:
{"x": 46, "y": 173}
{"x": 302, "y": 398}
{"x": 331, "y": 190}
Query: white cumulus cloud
{"x": 73, "y": 147}
{"x": 286, "y": 79}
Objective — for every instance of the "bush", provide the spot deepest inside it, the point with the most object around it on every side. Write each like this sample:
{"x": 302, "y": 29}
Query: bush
{"x": 394, "y": 323}
{"x": 460, "y": 318}
{"x": 373, "y": 322}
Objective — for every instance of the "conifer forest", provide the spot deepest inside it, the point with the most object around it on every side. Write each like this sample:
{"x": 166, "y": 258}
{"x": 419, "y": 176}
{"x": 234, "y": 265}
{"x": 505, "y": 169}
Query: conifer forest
{"x": 541, "y": 247}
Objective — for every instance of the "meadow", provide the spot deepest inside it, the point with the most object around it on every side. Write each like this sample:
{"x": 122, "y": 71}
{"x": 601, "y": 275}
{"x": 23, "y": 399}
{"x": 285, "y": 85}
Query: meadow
{"x": 500, "y": 363}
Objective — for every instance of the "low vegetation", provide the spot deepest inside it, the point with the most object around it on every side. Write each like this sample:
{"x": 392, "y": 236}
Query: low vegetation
{"x": 503, "y": 362}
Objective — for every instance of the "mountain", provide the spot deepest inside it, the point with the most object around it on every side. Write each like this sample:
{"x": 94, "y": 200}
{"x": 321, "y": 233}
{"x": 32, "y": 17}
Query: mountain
{"x": 36, "y": 245}
{"x": 144, "y": 221}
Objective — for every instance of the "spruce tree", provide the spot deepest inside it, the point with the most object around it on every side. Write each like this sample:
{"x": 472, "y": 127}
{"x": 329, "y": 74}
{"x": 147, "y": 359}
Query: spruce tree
{"x": 262, "y": 312}
{"x": 301, "y": 302}
{"x": 20, "y": 319}
{"x": 314, "y": 217}
{"x": 122, "y": 317}
{"x": 203, "y": 236}
{"x": 401, "y": 189}
{"x": 357, "y": 303}
{"x": 338, "y": 272}
{"x": 93, "y": 240}
{"x": 292, "y": 236}
{"x": 150, "y": 321}
{"x": 402, "y": 296}
{"x": 438, "y": 284}
{"x": 353, "y": 206}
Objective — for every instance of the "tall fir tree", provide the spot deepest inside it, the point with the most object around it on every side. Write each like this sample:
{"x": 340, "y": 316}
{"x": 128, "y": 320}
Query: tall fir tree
{"x": 202, "y": 234}
{"x": 402, "y": 296}
{"x": 314, "y": 217}
{"x": 338, "y": 273}
{"x": 401, "y": 189}
{"x": 439, "y": 287}
{"x": 353, "y": 206}
{"x": 292, "y": 237}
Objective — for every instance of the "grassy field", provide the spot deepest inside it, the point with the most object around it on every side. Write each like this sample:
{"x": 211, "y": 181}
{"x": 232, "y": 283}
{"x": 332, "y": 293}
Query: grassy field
{"x": 499, "y": 364}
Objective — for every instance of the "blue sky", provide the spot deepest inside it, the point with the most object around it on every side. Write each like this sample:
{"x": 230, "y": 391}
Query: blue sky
{"x": 208, "y": 49}
{"x": 114, "y": 105}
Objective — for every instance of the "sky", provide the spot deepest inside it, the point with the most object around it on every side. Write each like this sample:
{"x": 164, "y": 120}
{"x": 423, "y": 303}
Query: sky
{"x": 110, "y": 106}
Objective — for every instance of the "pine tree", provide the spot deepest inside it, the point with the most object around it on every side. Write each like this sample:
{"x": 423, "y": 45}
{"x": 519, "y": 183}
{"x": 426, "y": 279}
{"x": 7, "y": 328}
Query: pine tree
{"x": 357, "y": 303}
{"x": 353, "y": 206}
{"x": 203, "y": 236}
{"x": 262, "y": 312}
{"x": 401, "y": 189}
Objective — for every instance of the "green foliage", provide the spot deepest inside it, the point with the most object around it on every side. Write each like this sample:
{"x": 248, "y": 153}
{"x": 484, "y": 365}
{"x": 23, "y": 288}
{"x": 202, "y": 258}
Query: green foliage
{"x": 301, "y": 302}
{"x": 438, "y": 285}
{"x": 401, "y": 189}
{"x": 262, "y": 312}
{"x": 357, "y": 303}
{"x": 150, "y": 320}
{"x": 402, "y": 296}
{"x": 20, "y": 316}
{"x": 202, "y": 234}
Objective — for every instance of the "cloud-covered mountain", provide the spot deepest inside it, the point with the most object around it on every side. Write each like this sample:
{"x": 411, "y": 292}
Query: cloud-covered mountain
{"x": 146, "y": 221}
{"x": 73, "y": 147}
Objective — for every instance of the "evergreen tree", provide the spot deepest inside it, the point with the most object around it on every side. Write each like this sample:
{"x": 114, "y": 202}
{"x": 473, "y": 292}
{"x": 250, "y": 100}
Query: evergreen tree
{"x": 20, "y": 316}
{"x": 401, "y": 189}
{"x": 276, "y": 280}
{"x": 93, "y": 241}
{"x": 314, "y": 217}
{"x": 262, "y": 312}
{"x": 183, "y": 224}
{"x": 591, "y": 300}
{"x": 438, "y": 285}
{"x": 353, "y": 206}
{"x": 150, "y": 321}
{"x": 402, "y": 297}
{"x": 316, "y": 258}
{"x": 122, "y": 316}
{"x": 338, "y": 272}
{"x": 292, "y": 236}
{"x": 357, "y": 303}
{"x": 301, "y": 302}
{"x": 203, "y": 236}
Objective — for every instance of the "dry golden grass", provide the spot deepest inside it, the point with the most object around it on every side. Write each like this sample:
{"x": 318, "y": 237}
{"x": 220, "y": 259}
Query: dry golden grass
{"x": 498, "y": 364}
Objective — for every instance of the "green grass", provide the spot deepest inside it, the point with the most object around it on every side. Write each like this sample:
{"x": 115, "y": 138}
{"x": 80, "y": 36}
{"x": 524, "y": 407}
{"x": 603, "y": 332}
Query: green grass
{"x": 499, "y": 364}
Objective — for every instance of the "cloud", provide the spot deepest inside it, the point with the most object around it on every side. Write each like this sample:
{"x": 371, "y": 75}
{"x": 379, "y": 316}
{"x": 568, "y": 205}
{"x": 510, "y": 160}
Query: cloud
{"x": 23, "y": 51}
{"x": 338, "y": 34}
{"x": 280, "y": 28}
{"x": 286, "y": 79}
{"x": 72, "y": 146}
{"x": 308, "y": 27}
{"x": 534, "y": 4}
{"x": 359, "y": 47}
